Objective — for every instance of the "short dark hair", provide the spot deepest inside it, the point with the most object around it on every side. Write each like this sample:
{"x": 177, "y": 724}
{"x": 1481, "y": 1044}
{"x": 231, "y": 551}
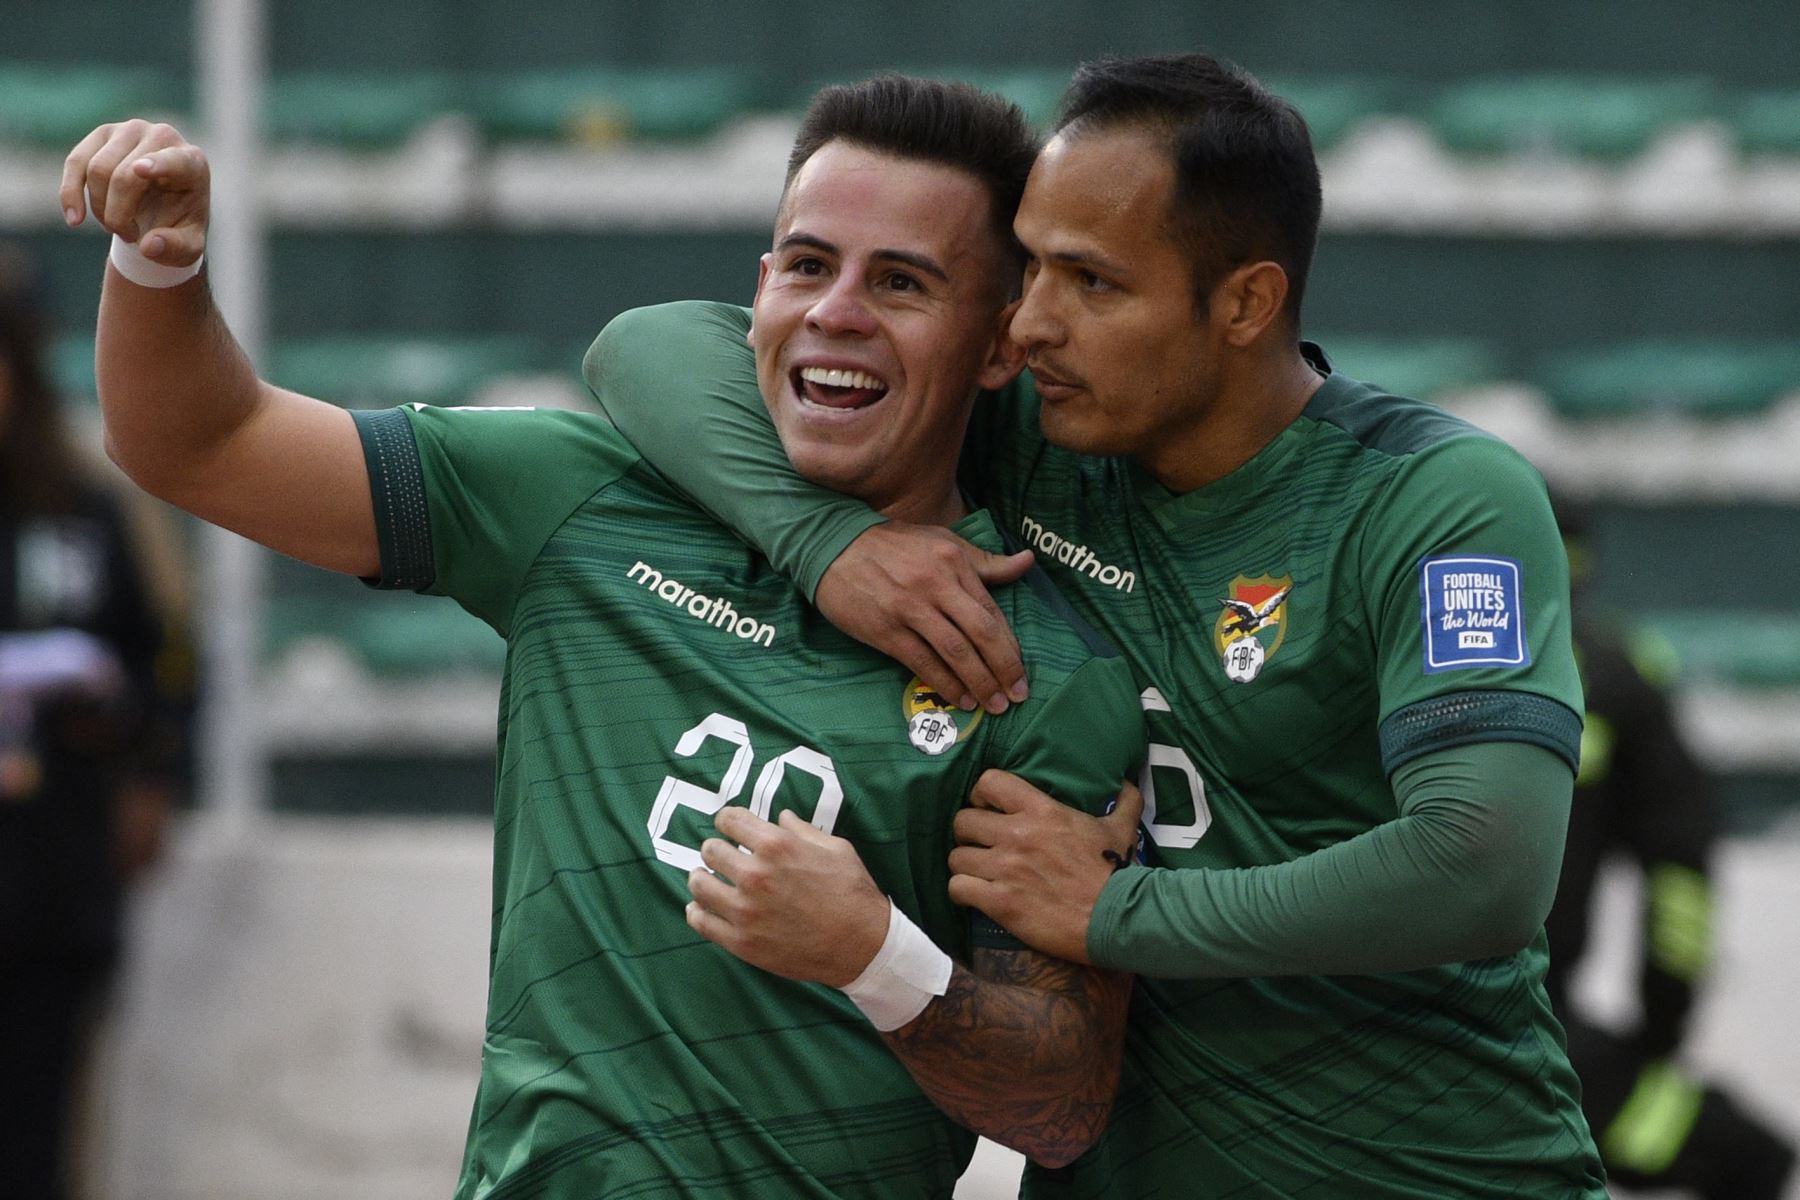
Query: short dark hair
{"x": 931, "y": 120}
{"x": 1246, "y": 181}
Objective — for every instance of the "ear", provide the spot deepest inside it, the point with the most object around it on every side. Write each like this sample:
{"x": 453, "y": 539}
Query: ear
{"x": 1248, "y": 301}
{"x": 762, "y": 277}
{"x": 1005, "y": 358}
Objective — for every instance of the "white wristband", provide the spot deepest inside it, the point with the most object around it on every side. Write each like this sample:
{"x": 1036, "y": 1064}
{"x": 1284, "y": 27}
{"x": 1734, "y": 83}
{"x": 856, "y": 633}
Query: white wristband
{"x": 903, "y": 976}
{"x": 130, "y": 262}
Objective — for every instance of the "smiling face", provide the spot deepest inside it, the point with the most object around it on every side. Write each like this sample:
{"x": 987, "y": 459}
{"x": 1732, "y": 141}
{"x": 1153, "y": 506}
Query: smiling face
{"x": 1125, "y": 359}
{"x": 879, "y": 314}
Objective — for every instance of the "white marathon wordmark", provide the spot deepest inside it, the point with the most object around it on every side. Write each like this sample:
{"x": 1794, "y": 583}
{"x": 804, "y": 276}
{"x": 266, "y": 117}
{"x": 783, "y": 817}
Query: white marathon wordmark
{"x": 1052, "y": 545}
{"x": 714, "y": 610}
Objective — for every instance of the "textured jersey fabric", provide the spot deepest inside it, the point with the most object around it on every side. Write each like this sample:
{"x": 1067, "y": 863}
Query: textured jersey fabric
{"x": 658, "y": 668}
{"x": 1380, "y": 584}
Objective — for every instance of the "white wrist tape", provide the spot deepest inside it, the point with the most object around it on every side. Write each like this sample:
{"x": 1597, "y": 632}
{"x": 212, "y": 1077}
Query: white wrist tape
{"x": 903, "y": 976}
{"x": 130, "y": 262}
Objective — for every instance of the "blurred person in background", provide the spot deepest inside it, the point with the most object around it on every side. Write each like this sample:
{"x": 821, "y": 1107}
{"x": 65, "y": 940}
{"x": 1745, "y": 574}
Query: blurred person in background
{"x": 1641, "y": 796}
{"x": 88, "y": 751}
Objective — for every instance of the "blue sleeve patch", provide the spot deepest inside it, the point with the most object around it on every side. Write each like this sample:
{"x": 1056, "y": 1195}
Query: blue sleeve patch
{"x": 1473, "y": 613}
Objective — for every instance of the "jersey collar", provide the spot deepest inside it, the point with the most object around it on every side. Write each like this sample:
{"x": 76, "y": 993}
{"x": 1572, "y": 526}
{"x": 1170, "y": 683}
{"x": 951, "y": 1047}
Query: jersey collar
{"x": 1247, "y": 484}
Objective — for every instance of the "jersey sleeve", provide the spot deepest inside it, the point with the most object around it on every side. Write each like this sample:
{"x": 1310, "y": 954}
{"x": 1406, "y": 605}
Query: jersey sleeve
{"x": 1467, "y": 584}
{"x": 1081, "y": 743}
{"x": 1467, "y": 870}
{"x": 465, "y": 498}
{"x": 679, "y": 381}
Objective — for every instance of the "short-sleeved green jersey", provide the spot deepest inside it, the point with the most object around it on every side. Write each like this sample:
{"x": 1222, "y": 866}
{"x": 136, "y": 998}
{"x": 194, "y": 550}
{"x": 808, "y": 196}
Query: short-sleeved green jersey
{"x": 1381, "y": 581}
{"x": 658, "y": 669}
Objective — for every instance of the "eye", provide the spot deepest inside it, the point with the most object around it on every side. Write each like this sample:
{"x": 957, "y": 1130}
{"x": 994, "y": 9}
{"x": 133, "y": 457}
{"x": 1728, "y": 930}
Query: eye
{"x": 900, "y": 281}
{"x": 1091, "y": 282}
{"x": 807, "y": 265}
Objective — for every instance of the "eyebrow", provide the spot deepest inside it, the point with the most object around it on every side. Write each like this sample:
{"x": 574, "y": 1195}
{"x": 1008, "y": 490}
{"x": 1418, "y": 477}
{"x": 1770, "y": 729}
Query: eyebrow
{"x": 1072, "y": 258}
{"x": 919, "y": 262}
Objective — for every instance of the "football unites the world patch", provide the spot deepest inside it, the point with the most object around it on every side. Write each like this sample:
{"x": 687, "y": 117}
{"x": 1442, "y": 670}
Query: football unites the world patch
{"x": 933, "y": 722}
{"x": 1473, "y": 612}
{"x": 1252, "y": 624}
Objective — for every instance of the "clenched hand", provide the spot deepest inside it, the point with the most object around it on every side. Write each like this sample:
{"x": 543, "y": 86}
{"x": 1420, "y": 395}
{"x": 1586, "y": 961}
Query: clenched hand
{"x": 147, "y": 183}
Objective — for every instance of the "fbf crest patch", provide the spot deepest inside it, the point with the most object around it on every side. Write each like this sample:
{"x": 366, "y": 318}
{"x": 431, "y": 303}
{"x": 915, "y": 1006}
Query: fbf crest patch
{"x": 1252, "y": 624}
{"x": 1473, "y": 613}
{"x": 933, "y": 722}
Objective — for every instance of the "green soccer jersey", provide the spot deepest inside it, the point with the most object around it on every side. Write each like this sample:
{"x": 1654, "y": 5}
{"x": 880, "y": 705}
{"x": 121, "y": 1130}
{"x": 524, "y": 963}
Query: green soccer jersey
{"x": 1380, "y": 582}
{"x": 657, "y": 669}
{"x": 1380, "y": 586}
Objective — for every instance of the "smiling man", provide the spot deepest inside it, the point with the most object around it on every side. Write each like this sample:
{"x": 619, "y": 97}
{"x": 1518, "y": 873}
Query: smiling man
{"x": 661, "y": 676}
{"x": 1348, "y": 616}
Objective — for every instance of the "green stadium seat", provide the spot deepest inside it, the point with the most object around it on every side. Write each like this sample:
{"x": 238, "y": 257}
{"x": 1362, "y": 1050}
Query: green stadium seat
{"x": 1767, "y": 122}
{"x": 389, "y": 635}
{"x": 1741, "y": 649}
{"x": 1334, "y": 105}
{"x": 1420, "y": 368}
{"x": 58, "y": 106}
{"x": 1584, "y": 115}
{"x": 600, "y": 105}
{"x": 374, "y": 372}
{"x": 364, "y": 110}
{"x": 71, "y": 365}
{"x": 1702, "y": 379}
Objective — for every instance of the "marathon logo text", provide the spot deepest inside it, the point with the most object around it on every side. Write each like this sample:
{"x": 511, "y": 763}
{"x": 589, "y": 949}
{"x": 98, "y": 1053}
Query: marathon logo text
{"x": 714, "y": 610}
{"x": 1472, "y": 613}
{"x": 1050, "y": 544}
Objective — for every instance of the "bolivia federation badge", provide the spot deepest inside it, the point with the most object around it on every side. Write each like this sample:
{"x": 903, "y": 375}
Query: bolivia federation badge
{"x": 1252, "y": 624}
{"x": 933, "y": 722}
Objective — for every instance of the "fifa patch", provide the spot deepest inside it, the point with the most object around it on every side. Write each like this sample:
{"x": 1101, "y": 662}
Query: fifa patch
{"x": 933, "y": 722}
{"x": 1473, "y": 613}
{"x": 1252, "y": 625}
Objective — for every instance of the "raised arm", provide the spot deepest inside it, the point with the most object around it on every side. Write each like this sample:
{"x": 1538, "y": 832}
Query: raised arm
{"x": 679, "y": 381}
{"x": 186, "y": 416}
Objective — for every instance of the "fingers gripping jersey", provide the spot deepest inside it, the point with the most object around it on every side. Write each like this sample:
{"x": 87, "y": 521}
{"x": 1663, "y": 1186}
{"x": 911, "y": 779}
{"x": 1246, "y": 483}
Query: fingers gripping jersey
{"x": 657, "y": 669}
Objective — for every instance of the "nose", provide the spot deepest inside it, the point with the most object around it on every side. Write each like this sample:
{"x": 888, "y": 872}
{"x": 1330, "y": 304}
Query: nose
{"x": 842, "y": 310}
{"x": 1035, "y": 322}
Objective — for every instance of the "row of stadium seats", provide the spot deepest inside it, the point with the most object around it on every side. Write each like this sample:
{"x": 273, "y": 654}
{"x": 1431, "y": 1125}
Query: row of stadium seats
{"x": 1579, "y": 115}
{"x": 1699, "y": 379}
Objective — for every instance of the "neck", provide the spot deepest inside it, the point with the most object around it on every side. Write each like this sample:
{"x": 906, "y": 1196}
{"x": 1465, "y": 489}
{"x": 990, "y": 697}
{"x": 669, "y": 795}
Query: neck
{"x": 1258, "y": 397}
{"x": 937, "y": 505}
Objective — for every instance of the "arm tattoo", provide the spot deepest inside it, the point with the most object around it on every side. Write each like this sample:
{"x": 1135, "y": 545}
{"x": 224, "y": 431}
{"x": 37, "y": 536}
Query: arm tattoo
{"x": 1023, "y": 1049}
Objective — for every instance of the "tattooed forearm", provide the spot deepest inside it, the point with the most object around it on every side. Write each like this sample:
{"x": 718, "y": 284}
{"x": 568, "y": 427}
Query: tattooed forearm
{"x": 1023, "y": 1049}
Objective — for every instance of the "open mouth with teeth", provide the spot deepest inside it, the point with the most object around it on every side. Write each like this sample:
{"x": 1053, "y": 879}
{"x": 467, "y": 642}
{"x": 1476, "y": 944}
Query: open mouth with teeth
{"x": 836, "y": 387}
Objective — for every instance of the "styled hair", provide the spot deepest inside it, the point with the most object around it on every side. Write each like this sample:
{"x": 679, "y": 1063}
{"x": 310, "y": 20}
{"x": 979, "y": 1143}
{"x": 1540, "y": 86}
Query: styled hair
{"x": 934, "y": 121}
{"x": 1246, "y": 181}
{"x": 38, "y": 466}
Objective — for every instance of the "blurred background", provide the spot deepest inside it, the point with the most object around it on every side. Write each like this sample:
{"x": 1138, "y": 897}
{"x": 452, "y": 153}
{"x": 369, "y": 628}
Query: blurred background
{"x": 1578, "y": 225}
